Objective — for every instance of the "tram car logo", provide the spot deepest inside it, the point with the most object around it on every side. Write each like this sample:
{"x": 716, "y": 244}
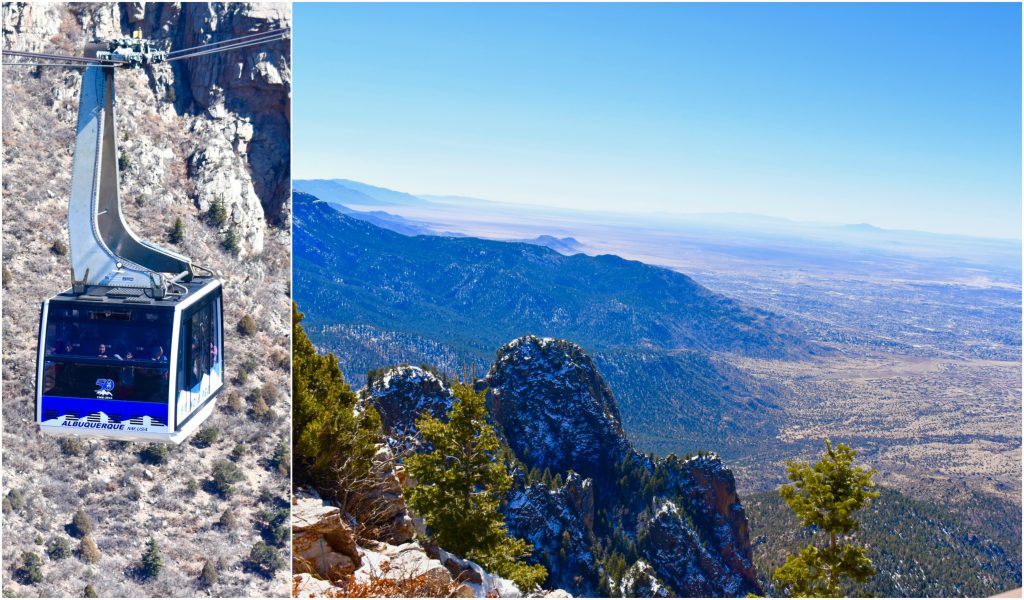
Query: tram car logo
{"x": 106, "y": 386}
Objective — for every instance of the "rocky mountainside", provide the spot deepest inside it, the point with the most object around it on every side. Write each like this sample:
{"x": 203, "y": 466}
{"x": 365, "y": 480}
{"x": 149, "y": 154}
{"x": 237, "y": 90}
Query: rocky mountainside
{"x": 376, "y": 550}
{"x": 665, "y": 343}
{"x": 603, "y": 518}
{"x": 554, "y": 408}
{"x": 191, "y": 133}
{"x": 400, "y": 395}
{"x": 603, "y": 301}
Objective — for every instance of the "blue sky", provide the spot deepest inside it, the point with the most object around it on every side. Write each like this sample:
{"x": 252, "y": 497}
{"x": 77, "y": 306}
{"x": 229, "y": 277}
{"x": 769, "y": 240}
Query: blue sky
{"x": 904, "y": 116}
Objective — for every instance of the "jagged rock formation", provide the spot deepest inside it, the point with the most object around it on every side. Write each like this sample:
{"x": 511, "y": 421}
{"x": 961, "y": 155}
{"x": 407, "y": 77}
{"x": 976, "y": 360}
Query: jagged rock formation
{"x": 554, "y": 519}
{"x": 379, "y": 506}
{"x": 401, "y": 395}
{"x": 682, "y": 560}
{"x": 321, "y": 542}
{"x": 554, "y": 408}
{"x": 640, "y": 581}
{"x": 612, "y": 521}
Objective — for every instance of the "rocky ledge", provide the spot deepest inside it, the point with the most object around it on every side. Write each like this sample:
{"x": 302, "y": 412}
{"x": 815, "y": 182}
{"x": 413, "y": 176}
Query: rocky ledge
{"x": 329, "y": 560}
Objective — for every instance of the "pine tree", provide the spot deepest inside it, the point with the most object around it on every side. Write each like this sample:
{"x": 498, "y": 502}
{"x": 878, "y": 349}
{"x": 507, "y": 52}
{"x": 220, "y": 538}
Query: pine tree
{"x": 58, "y": 548}
{"x": 825, "y": 496}
{"x": 30, "y": 572}
{"x": 461, "y": 484}
{"x": 265, "y": 559}
{"x": 152, "y": 562}
{"x": 90, "y": 592}
{"x": 227, "y": 519}
{"x": 217, "y": 214}
{"x": 231, "y": 241}
{"x": 332, "y": 446}
{"x": 177, "y": 234}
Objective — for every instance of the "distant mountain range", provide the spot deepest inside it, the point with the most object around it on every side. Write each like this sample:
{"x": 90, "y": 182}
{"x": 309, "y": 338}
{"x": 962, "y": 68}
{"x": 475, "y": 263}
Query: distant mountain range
{"x": 661, "y": 338}
{"x": 345, "y": 191}
{"x": 565, "y": 245}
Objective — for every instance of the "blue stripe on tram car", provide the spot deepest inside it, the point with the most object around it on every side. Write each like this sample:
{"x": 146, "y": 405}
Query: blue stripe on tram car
{"x": 121, "y": 411}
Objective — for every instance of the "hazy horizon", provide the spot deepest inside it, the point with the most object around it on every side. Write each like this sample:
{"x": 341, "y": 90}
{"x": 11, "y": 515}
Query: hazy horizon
{"x": 621, "y": 211}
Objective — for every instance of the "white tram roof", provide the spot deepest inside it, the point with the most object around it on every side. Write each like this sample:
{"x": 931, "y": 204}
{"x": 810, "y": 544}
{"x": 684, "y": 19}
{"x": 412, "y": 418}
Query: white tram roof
{"x": 122, "y": 296}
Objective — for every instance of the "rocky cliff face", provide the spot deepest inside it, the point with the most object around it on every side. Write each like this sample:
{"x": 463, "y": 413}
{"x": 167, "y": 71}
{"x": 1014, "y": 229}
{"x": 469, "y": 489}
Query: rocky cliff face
{"x": 178, "y": 154}
{"x": 604, "y": 519}
{"x": 401, "y": 395}
{"x": 249, "y": 87}
{"x": 559, "y": 522}
{"x": 554, "y": 408}
{"x": 233, "y": 107}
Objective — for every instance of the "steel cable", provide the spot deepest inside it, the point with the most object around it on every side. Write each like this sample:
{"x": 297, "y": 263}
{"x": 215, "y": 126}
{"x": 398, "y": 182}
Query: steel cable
{"x": 23, "y": 54}
{"x": 231, "y": 41}
{"x": 226, "y": 48}
{"x": 76, "y": 65}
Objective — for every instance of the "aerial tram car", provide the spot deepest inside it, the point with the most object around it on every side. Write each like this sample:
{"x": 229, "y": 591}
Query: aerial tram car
{"x": 134, "y": 350}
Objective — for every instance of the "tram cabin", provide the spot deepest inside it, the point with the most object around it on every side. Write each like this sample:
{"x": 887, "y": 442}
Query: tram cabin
{"x": 117, "y": 363}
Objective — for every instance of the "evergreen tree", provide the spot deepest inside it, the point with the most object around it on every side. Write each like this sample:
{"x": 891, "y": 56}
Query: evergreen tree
{"x": 332, "y": 445}
{"x": 90, "y": 592}
{"x": 231, "y": 241}
{"x": 218, "y": 214}
{"x": 152, "y": 562}
{"x": 265, "y": 559}
{"x": 227, "y": 519}
{"x": 225, "y": 475}
{"x": 177, "y": 234}
{"x": 461, "y": 484}
{"x": 825, "y": 497}
{"x": 30, "y": 572}
{"x": 58, "y": 548}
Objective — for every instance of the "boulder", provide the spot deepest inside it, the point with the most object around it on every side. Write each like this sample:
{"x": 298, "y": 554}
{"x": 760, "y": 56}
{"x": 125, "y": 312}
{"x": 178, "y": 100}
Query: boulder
{"x": 322, "y": 542}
